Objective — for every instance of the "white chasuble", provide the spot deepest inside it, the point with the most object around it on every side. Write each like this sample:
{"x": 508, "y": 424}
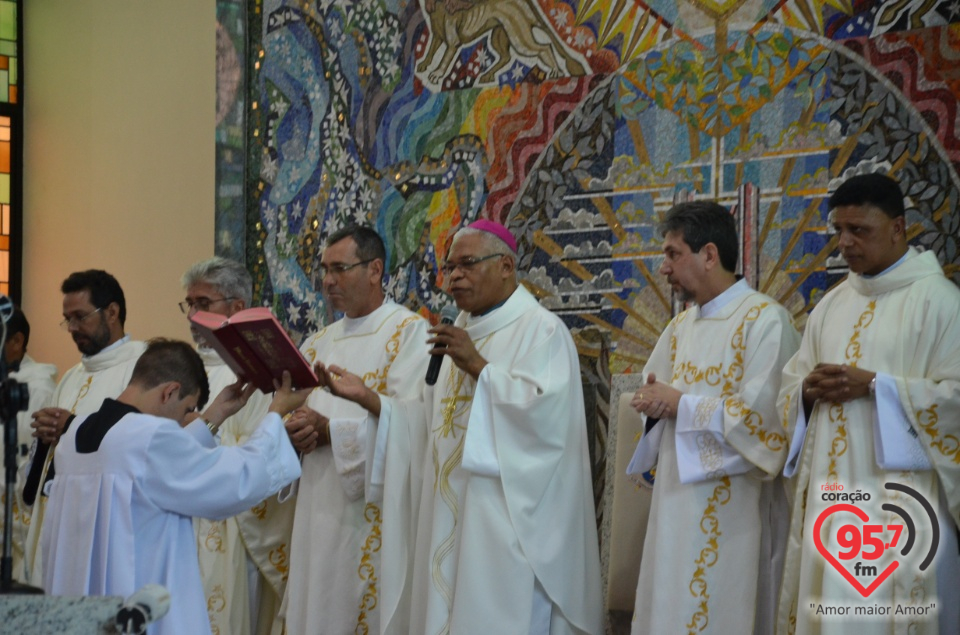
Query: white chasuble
{"x": 81, "y": 390}
{"x": 334, "y": 583}
{"x": 119, "y": 516}
{"x": 494, "y": 476}
{"x": 707, "y": 552}
{"x": 257, "y": 540}
{"x": 904, "y": 325}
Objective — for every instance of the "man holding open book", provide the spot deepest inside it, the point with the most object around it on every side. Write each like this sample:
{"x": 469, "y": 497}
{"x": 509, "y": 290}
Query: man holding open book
{"x": 335, "y": 563}
{"x": 244, "y": 558}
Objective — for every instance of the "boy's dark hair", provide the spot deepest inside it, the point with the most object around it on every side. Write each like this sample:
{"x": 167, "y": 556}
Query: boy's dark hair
{"x": 172, "y": 360}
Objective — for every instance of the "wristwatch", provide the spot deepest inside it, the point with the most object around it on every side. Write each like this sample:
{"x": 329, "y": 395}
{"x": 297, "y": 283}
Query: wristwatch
{"x": 212, "y": 427}
{"x": 872, "y": 387}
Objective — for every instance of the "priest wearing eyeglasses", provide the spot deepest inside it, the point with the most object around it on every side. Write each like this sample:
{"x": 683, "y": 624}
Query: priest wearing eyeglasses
{"x": 243, "y": 558}
{"x": 488, "y": 519}
{"x": 94, "y": 312}
{"x": 334, "y": 581}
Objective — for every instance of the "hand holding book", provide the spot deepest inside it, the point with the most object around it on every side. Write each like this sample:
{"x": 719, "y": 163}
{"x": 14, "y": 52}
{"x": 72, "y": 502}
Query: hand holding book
{"x": 254, "y": 345}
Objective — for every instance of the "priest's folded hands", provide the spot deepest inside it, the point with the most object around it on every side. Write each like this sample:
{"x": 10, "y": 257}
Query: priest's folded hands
{"x": 48, "y": 423}
{"x": 656, "y": 399}
{"x": 307, "y": 429}
{"x": 836, "y": 382}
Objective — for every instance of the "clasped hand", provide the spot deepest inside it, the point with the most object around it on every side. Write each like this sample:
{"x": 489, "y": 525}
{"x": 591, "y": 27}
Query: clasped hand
{"x": 304, "y": 427}
{"x": 836, "y": 382}
{"x": 48, "y": 423}
{"x": 656, "y": 399}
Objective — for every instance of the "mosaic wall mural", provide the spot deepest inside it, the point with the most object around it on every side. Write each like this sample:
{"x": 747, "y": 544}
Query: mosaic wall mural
{"x": 577, "y": 123}
{"x": 230, "y": 219}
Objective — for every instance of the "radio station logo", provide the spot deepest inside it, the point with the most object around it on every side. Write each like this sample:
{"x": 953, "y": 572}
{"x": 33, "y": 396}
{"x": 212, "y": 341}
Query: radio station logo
{"x": 863, "y": 542}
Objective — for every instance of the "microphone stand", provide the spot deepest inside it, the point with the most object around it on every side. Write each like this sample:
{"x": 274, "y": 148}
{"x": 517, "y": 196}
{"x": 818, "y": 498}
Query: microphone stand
{"x": 14, "y": 397}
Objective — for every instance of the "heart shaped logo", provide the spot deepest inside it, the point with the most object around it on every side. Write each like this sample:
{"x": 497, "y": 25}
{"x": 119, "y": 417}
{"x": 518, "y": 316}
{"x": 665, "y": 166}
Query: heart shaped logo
{"x": 829, "y": 557}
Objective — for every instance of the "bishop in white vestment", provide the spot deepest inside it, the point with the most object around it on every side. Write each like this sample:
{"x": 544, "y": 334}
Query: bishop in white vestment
{"x": 713, "y": 454}
{"x": 488, "y": 517}
{"x": 871, "y": 399}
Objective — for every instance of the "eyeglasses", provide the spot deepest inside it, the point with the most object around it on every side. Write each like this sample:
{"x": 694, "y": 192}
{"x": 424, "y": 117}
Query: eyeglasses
{"x": 77, "y": 321}
{"x": 201, "y": 304}
{"x": 467, "y": 264}
{"x": 340, "y": 268}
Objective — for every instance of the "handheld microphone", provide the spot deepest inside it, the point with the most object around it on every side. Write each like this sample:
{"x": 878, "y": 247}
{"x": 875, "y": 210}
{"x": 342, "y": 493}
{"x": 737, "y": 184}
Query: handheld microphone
{"x": 447, "y": 316}
{"x": 145, "y": 606}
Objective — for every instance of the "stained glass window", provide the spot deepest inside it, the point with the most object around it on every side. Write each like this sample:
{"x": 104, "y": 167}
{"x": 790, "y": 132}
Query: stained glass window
{"x": 11, "y": 116}
{"x": 8, "y": 51}
{"x": 5, "y": 204}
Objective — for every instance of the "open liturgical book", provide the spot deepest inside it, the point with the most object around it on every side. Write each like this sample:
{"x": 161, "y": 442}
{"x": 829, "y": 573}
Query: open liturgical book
{"x": 255, "y": 346}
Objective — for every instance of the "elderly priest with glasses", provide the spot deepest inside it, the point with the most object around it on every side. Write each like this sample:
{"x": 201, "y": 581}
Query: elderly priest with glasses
{"x": 244, "y": 559}
{"x": 488, "y": 519}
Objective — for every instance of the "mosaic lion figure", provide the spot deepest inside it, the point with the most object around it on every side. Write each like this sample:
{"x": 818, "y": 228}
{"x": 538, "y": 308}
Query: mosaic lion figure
{"x": 512, "y": 26}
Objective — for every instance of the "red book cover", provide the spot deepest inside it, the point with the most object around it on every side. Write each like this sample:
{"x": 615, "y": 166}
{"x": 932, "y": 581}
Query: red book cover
{"x": 254, "y": 345}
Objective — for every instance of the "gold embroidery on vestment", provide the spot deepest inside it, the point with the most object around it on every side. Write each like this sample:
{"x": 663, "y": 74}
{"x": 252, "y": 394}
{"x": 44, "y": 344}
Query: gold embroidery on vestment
{"x": 260, "y": 511}
{"x": 376, "y": 380}
{"x": 711, "y": 455}
{"x": 280, "y": 560}
{"x": 948, "y": 445}
{"x": 710, "y": 526}
{"x": 454, "y": 406}
{"x": 704, "y": 411}
{"x": 837, "y": 415}
{"x": 214, "y": 540}
{"x": 367, "y": 569}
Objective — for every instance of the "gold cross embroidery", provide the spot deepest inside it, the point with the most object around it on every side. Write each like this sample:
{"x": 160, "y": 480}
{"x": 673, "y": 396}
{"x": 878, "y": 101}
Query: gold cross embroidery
{"x": 452, "y": 406}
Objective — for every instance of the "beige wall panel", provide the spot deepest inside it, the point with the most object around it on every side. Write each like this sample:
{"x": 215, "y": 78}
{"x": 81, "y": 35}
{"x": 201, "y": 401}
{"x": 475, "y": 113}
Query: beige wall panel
{"x": 119, "y": 157}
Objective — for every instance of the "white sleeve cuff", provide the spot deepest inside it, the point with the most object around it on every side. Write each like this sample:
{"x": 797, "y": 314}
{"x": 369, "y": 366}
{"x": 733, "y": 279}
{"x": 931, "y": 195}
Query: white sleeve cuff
{"x": 796, "y": 443}
{"x": 348, "y": 442}
{"x": 377, "y": 464}
{"x": 895, "y": 442}
{"x": 702, "y": 450}
{"x": 199, "y": 430}
{"x": 479, "y": 449}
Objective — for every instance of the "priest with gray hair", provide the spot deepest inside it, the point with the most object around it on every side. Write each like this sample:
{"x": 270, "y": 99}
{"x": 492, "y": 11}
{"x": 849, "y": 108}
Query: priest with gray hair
{"x": 243, "y": 558}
